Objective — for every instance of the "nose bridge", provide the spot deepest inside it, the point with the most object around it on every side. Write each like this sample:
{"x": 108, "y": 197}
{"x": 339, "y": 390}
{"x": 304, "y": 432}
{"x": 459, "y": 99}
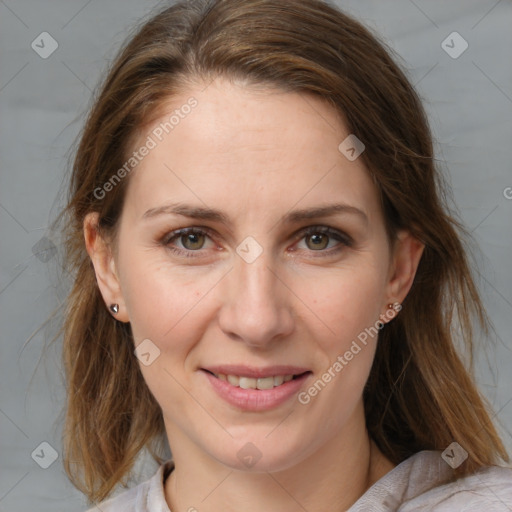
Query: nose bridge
{"x": 257, "y": 282}
{"x": 252, "y": 270}
{"x": 256, "y": 308}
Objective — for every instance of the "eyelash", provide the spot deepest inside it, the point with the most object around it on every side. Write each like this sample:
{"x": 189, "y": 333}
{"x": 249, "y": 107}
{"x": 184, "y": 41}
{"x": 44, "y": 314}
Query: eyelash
{"x": 344, "y": 239}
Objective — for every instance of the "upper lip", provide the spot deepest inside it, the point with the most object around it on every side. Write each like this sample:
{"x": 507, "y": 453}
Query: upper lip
{"x": 255, "y": 372}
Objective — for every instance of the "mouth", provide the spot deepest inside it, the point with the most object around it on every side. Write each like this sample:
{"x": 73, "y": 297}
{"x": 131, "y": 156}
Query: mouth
{"x": 260, "y": 383}
{"x": 250, "y": 388}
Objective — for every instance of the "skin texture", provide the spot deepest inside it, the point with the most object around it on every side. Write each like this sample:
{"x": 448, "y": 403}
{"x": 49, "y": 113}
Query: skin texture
{"x": 256, "y": 155}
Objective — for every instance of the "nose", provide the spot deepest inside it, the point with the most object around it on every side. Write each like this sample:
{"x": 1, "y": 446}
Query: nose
{"x": 256, "y": 305}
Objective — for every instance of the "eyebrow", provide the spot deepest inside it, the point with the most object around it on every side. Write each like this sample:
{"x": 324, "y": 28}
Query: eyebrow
{"x": 211, "y": 214}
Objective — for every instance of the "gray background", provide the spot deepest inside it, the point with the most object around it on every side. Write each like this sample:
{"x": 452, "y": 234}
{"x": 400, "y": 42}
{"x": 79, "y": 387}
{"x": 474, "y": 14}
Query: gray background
{"x": 42, "y": 102}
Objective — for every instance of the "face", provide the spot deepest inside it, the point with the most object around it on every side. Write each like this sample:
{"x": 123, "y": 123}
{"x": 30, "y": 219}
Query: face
{"x": 250, "y": 246}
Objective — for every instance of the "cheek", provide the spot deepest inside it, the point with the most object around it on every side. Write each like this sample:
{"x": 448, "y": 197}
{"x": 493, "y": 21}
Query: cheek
{"x": 348, "y": 304}
{"x": 157, "y": 302}
{"x": 345, "y": 301}
{"x": 164, "y": 302}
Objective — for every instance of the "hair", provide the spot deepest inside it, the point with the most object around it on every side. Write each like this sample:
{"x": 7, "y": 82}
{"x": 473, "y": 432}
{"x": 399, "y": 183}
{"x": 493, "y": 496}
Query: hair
{"x": 419, "y": 395}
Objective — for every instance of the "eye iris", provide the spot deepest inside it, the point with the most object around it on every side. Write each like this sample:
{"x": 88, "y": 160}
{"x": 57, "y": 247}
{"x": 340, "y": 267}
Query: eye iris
{"x": 319, "y": 240}
{"x": 192, "y": 240}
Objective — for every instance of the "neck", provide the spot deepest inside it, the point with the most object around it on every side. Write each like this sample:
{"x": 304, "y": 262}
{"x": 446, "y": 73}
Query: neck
{"x": 333, "y": 478}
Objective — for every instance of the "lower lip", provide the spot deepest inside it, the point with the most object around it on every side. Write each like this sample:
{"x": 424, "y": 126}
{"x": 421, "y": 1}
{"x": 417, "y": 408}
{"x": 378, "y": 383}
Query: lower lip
{"x": 256, "y": 399}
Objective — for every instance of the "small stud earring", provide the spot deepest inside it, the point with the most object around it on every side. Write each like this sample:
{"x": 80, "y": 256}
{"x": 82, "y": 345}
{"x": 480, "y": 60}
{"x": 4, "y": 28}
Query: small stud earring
{"x": 114, "y": 308}
{"x": 396, "y": 306}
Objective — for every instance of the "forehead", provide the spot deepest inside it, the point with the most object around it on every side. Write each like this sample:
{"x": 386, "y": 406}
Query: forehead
{"x": 241, "y": 147}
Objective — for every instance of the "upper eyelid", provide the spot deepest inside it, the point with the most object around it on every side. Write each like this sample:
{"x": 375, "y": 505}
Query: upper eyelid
{"x": 345, "y": 238}
{"x": 183, "y": 231}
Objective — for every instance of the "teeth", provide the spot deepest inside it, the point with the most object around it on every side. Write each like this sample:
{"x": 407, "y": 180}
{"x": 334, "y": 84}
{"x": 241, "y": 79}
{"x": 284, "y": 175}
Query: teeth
{"x": 247, "y": 383}
{"x": 252, "y": 383}
{"x": 278, "y": 380}
{"x": 234, "y": 381}
{"x": 266, "y": 383}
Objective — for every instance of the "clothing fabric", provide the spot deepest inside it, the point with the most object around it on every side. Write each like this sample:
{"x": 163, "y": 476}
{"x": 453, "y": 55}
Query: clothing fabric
{"x": 421, "y": 483}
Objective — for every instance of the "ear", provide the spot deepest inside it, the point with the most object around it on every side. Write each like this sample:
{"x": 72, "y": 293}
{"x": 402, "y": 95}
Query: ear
{"x": 406, "y": 256}
{"x": 102, "y": 259}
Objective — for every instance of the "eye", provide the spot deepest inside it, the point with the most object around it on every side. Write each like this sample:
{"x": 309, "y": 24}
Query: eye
{"x": 320, "y": 238}
{"x": 186, "y": 241}
{"x": 190, "y": 242}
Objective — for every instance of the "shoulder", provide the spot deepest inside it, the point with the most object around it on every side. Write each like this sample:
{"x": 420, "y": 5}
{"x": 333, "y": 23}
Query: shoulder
{"x": 488, "y": 489}
{"x": 148, "y": 496}
{"x": 125, "y": 501}
{"x": 425, "y": 482}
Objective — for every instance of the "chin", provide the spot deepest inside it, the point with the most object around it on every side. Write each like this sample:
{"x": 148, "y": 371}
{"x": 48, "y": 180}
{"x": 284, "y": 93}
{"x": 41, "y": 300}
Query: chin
{"x": 261, "y": 452}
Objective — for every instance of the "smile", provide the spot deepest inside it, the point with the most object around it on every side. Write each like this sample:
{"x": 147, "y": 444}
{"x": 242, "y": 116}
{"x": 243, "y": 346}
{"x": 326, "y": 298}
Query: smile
{"x": 253, "y": 389}
{"x": 253, "y": 383}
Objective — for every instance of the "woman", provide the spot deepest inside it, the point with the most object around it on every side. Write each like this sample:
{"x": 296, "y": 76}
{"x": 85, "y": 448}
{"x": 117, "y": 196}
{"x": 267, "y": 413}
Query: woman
{"x": 267, "y": 277}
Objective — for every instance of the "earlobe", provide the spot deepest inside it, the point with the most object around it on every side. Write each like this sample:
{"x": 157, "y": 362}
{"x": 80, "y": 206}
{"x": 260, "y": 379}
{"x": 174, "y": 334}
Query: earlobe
{"x": 406, "y": 258}
{"x": 102, "y": 259}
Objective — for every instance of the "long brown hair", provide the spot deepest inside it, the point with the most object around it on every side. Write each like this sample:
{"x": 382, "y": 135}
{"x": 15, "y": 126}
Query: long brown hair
{"x": 419, "y": 395}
